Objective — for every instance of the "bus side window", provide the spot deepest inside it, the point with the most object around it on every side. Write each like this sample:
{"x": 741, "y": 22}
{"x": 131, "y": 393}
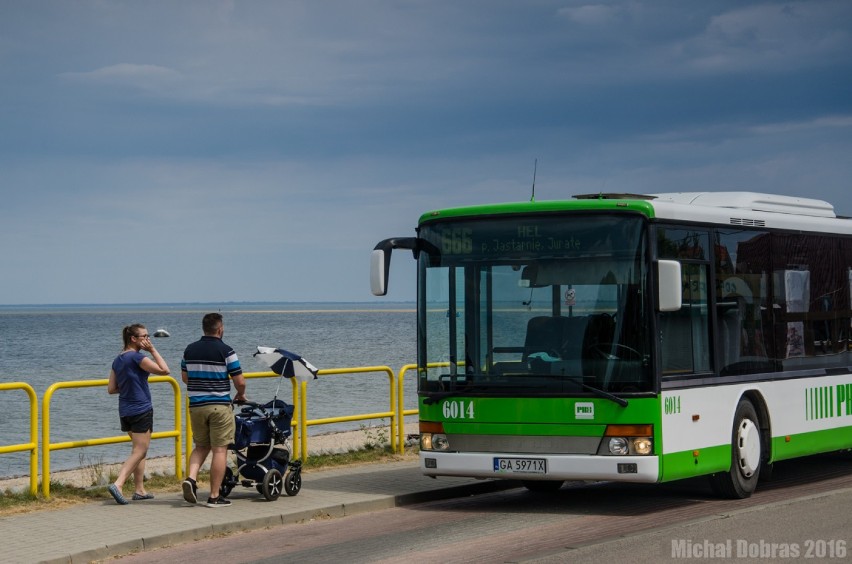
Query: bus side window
{"x": 684, "y": 334}
{"x": 731, "y": 333}
{"x": 742, "y": 259}
{"x": 676, "y": 341}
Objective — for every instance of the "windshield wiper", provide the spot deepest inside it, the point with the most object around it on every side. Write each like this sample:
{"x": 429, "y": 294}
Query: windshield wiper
{"x": 606, "y": 395}
{"x": 600, "y": 393}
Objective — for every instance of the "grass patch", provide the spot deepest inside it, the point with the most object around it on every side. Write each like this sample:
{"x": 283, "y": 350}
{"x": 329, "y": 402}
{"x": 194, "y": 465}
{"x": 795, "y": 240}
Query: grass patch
{"x": 365, "y": 456}
{"x": 63, "y": 495}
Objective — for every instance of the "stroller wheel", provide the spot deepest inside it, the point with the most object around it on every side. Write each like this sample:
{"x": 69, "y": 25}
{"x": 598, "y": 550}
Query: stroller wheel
{"x": 272, "y": 484}
{"x": 228, "y": 482}
{"x": 293, "y": 482}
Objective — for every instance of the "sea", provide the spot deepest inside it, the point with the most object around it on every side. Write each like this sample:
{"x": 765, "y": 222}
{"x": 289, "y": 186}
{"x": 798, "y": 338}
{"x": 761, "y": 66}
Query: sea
{"x": 44, "y": 344}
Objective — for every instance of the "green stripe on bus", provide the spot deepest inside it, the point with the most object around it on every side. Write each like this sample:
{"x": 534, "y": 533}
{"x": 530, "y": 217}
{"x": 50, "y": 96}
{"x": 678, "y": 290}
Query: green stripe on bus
{"x": 686, "y": 464}
{"x": 470, "y": 409}
{"x": 815, "y": 442}
{"x": 679, "y": 465}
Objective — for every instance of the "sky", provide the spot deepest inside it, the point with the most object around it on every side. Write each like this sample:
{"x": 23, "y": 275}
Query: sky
{"x": 207, "y": 151}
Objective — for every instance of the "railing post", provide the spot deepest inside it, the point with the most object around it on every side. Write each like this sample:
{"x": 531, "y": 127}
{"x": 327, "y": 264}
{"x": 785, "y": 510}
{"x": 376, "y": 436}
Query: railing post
{"x": 189, "y": 438}
{"x": 401, "y": 396}
{"x": 297, "y": 410}
{"x": 303, "y": 420}
{"x": 400, "y": 427}
{"x": 397, "y": 414}
{"x": 32, "y": 446}
{"x": 45, "y": 441}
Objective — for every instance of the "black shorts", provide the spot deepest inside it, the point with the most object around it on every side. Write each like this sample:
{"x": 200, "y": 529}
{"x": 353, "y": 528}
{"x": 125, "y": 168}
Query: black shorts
{"x": 141, "y": 423}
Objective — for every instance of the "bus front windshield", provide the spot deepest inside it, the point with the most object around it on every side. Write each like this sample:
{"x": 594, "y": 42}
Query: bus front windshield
{"x": 550, "y": 305}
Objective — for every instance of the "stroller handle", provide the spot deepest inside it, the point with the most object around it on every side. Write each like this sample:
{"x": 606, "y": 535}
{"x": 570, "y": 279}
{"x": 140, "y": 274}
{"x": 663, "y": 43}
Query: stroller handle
{"x": 253, "y": 408}
{"x": 247, "y": 403}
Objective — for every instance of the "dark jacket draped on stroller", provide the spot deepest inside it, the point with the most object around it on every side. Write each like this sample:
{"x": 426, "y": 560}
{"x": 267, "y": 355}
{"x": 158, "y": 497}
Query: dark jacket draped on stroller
{"x": 262, "y": 453}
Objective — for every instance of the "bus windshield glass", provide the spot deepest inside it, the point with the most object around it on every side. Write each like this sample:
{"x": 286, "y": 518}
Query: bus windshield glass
{"x": 548, "y": 305}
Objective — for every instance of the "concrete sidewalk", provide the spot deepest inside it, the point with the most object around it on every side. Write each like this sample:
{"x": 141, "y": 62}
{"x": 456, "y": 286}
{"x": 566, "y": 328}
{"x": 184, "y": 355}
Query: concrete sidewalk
{"x": 103, "y": 529}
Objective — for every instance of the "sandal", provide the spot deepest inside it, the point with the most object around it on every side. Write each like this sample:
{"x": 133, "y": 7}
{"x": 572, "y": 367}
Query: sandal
{"x": 116, "y": 495}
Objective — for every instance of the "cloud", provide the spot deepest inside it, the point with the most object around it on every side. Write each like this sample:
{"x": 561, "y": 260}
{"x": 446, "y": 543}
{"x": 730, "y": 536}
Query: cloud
{"x": 772, "y": 37}
{"x": 145, "y": 77}
{"x": 589, "y": 14}
{"x": 792, "y": 126}
{"x": 622, "y": 42}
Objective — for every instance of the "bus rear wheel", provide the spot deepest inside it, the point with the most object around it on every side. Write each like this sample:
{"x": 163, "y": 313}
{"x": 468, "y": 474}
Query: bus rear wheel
{"x": 543, "y": 486}
{"x": 740, "y": 480}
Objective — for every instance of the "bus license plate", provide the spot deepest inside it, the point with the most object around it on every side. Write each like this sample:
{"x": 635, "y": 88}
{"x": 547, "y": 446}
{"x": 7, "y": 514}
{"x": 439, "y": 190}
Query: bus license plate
{"x": 520, "y": 465}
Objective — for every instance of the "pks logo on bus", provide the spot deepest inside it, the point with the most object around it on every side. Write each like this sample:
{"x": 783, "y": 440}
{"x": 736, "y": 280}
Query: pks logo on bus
{"x": 584, "y": 410}
{"x": 823, "y": 402}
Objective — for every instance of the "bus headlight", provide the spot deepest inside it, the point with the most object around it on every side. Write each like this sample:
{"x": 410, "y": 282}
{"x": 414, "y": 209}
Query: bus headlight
{"x": 434, "y": 441}
{"x": 440, "y": 442}
{"x": 642, "y": 445}
{"x": 618, "y": 446}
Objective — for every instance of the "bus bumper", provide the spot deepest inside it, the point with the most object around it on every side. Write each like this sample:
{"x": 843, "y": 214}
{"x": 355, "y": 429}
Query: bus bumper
{"x": 509, "y": 466}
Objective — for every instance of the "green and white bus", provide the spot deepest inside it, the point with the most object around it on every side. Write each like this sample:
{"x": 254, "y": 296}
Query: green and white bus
{"x": 637, "y": 338}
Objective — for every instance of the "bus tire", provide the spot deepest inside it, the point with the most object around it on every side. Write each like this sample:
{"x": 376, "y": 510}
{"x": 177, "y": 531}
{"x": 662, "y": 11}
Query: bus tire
{"x": 543, "y": 486}
{"x": 740, "y": 480}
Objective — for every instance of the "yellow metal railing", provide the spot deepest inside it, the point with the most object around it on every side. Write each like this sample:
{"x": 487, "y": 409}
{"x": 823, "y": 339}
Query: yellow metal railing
{"x": 31, "y": 446}
{"x": 47, "y": 446}
{"x": 300, "y": 423}
{"x": 391, "y": 413}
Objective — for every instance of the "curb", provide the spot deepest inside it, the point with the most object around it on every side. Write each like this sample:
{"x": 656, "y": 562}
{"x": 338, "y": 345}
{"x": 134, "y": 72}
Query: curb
{"x": 334, "y": 511}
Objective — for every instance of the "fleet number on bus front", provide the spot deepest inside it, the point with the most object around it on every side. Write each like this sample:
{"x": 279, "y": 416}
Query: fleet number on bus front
{"x": 458, "y": 409}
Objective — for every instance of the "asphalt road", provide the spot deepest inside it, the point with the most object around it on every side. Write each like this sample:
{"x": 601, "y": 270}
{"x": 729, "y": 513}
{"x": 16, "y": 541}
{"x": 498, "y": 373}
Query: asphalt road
{"x": 804, "y": 514}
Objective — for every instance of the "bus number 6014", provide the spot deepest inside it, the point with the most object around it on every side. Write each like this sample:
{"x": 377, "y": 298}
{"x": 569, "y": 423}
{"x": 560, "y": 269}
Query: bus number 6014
{"x": 672, "y": 405}
{"x": 458, "y": 409}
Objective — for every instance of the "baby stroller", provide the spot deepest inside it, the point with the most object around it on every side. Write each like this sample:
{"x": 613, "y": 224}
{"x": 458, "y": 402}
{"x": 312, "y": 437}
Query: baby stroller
{"x": 260, "y": 445}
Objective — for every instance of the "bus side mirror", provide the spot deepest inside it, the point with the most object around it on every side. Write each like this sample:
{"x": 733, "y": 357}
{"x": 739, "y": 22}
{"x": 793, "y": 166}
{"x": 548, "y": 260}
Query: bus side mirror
{"x": 379, "y": 271}
{"x": 381, "y": 256}
{"x": 670, "y": 297}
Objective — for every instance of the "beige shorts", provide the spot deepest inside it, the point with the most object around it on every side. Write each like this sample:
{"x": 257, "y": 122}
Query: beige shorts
{"x": 212, "y": 425}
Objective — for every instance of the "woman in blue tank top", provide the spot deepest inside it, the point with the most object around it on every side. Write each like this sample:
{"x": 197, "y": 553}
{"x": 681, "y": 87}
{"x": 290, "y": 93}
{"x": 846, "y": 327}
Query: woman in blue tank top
{"x": 129, "y": 379}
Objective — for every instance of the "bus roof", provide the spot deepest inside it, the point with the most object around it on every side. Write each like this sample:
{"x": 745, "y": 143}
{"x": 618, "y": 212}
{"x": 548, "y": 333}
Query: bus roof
{"x": 752, "y": 201}
{"x": 721, "y": 208}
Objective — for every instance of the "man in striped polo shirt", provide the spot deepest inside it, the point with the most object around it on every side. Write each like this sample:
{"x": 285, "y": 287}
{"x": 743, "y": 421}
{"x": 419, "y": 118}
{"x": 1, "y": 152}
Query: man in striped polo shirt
{"x": 208, "y": 367}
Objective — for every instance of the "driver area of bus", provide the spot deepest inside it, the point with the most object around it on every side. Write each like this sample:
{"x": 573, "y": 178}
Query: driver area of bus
{"x": 583, "y": 348}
